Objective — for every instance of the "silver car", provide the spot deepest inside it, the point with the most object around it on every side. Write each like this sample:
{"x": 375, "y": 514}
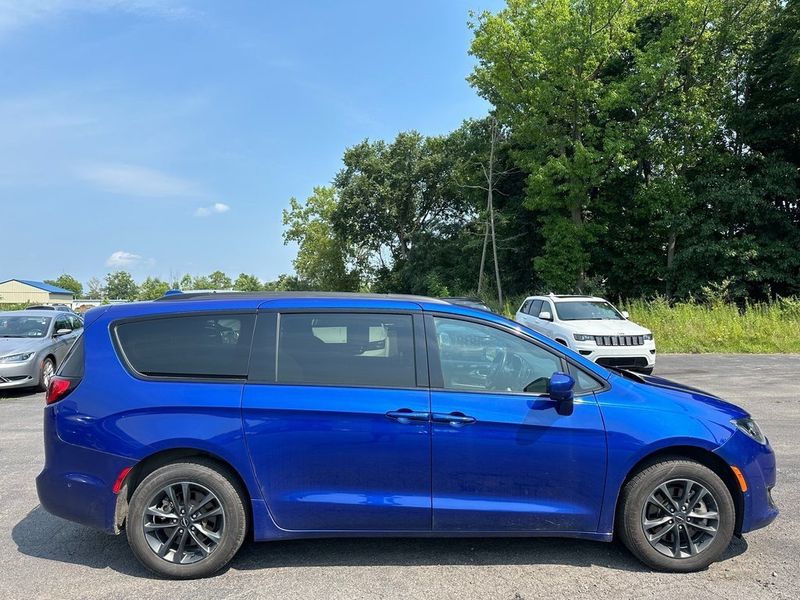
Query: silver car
{"x": 32, "y": 345}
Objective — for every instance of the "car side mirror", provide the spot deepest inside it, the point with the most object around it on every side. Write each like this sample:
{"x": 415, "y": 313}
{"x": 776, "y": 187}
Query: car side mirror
{"x": 61, "y": 332}
{"x": 625, "y": 314}
{"x": 560, "y": 388}
{"x": 545, "y": 316}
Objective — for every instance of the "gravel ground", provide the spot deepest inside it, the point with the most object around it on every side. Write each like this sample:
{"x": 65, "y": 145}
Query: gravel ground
{"x": 42, "y": 556}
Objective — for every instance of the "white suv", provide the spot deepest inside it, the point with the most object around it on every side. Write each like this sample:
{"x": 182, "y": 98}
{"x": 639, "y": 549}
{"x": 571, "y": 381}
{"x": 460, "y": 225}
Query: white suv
{"x": 592, "y": 327}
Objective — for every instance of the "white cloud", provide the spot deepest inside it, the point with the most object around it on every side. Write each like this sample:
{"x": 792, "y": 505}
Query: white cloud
{"x": 18, "y": 14}
{"x": 215, "y": 209}
{"x": 120, "y": 258}
{"x": 134, "y": 180}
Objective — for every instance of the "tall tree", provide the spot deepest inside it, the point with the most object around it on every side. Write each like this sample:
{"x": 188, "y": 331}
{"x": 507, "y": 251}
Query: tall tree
{"x": 95, "y": 289}
{"x": 68, "y": 282}
{"x": 325, "y": 259}
{"x": 219, "y": 281}
{"x": 390, "y": 192}
{"x": 121, "y": 286}
{"x": 601, "y": 88}
{"x": 152, "y": 288}
{"x": 247, "y": 283}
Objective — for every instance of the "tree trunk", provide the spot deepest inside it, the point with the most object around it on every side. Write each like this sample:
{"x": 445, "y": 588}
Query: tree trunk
{"x": 490, "y": 202}
{"x": 483, "y": 256}
{"x": 670, "y": 259}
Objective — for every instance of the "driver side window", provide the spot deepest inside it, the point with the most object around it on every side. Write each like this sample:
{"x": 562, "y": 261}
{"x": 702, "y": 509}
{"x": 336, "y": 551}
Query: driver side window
{"x": 476, "y": 357}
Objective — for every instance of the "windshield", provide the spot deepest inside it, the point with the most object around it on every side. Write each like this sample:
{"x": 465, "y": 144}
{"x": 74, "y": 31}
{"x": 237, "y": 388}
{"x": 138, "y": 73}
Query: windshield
{"x": 587, "y": 310}
{"x": 24, "y": 326}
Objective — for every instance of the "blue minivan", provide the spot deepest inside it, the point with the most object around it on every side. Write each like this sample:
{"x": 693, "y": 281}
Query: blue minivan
{"x": 198, "y": 420}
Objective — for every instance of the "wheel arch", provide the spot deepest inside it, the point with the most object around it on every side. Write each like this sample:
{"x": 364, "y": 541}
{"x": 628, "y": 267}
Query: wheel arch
{"x": 700, "y": 455}
{"x": 164, "y": 457}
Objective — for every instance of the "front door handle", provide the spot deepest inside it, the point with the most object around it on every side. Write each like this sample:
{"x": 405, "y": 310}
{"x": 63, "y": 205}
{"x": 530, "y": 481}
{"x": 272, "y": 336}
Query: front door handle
{"x": 456, "y": 419}
{"x": 406, "y": 415}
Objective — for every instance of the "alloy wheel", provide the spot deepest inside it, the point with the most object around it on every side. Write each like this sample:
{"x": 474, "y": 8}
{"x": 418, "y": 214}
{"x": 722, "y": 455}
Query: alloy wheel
{"x": 184, "y": 522}
{"x": 48, "y": 370}
{"x": 680, "y": 518}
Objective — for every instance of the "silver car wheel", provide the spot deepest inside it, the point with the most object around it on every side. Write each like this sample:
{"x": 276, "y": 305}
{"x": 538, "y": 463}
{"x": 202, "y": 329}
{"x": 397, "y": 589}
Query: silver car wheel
{"x": 48, "y": 370}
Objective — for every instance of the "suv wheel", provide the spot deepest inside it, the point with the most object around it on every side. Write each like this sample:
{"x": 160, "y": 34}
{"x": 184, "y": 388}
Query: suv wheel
{"x": 676, "y": 515}
{"x": 186, "y": 520}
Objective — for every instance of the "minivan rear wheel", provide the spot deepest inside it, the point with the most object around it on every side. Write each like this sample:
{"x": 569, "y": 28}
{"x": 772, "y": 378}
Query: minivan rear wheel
{"x": 186, "y": 519}
{"x": 676, "y": 515}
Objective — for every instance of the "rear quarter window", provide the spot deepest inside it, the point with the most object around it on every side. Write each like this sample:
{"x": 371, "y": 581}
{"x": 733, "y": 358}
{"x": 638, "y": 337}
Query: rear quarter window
{"x": 75, "y": 359}
{"x": 202, "y": 346}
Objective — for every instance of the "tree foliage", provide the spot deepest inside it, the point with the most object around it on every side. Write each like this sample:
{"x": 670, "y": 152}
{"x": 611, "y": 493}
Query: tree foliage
{"x": 68, "y": 282}
{"x": 649, "y": 147}
{"x": 152, "y": 288}
{"x": 121, "y": 286}
{"x": 325, "y": 259}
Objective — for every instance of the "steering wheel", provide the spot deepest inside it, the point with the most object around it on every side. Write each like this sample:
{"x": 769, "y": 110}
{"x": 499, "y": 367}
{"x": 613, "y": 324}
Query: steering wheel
{"x": 499, "y": 362}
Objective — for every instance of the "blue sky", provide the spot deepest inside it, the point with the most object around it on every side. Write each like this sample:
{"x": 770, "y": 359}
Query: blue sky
{"x": 166, "y": 136}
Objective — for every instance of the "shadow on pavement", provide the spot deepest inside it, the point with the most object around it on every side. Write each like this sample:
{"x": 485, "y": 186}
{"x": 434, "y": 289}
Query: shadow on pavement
{"x": 42, "y": 535}
{"x": 13, "y": 393}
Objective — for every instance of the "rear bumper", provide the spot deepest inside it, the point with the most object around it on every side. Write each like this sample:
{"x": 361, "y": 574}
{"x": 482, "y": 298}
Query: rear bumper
{"x": 77, "y": 483}
{"x": 757, "y": 464}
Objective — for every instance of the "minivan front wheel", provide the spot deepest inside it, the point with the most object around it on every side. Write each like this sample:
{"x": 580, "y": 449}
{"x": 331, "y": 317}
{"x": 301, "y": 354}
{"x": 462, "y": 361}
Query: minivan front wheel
{"x": 186, "y": 519}
{"x": 676, "y": 515}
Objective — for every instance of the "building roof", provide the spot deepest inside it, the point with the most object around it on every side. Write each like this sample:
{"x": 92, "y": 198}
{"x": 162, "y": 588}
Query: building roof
{"x": 53, "y": 289}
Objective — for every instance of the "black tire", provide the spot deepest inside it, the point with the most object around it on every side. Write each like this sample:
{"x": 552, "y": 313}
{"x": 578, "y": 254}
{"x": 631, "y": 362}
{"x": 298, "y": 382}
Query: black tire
{"x": 203, "y": 474}
{"x": 646, "y": 370}
{"x": 635, "y": 500}
{"x": 47, "y": 363}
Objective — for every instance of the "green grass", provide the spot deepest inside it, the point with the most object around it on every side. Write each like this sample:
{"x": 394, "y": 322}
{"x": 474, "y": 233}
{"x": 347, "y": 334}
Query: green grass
{"x": 693, "y": 327}
{"x": 719, "y": 327}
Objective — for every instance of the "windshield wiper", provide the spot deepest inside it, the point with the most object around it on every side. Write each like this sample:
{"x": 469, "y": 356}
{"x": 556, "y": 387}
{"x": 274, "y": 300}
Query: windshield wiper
{"x": 625, "y": 373}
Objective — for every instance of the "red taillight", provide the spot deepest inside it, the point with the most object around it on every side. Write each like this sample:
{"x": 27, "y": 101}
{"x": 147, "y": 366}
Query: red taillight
{"x": 57, "y": 389}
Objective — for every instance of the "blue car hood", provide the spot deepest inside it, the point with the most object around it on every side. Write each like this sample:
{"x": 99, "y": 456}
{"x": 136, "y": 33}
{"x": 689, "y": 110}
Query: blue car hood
{"x": 684, "y": 398}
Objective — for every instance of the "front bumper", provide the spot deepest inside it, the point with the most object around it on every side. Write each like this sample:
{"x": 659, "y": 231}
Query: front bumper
{"x": 77, "y": 483}
{"x": 643, "y": 356}
{"x": 757, "y": 464}
{"x": 20, "y": 374}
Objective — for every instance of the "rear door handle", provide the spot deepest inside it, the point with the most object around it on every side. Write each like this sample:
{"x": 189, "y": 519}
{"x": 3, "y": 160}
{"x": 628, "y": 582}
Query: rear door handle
{"x": 406, "y": 415}
{"x": 456, "y": 419}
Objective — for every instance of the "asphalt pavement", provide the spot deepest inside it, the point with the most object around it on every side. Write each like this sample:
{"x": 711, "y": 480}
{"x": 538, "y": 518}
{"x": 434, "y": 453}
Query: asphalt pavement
{"x": 42, "y": 556}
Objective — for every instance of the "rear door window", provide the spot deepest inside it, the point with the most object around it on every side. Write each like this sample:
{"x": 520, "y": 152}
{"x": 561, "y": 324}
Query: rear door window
{"x": 203, "y": 346}
{"x": 346, "y": 349}
{"x": 533, "y": 309}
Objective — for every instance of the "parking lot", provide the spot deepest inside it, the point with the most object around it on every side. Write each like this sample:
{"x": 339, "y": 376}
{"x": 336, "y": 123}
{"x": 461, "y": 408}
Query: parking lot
{"x": 43, "y": 556}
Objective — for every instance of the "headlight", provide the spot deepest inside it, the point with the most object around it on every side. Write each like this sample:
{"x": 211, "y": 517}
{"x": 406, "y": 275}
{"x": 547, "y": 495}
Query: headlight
{"x": 14, "y": 358}
{"x": 750, "y": 428}
{"x": 581, "y": 337}
{"x": 648, "y": 336}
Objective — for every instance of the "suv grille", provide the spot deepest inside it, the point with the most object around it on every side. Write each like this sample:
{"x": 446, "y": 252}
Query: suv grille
{"x": 619, "y": 340}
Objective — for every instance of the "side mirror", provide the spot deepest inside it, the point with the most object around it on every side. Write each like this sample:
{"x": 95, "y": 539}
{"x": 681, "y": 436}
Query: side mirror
{"x": 560, "y": 388}
{"x": 545, "y": 316}
{"x": 625, "y": 314}
{"x": 61, "y": 332}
